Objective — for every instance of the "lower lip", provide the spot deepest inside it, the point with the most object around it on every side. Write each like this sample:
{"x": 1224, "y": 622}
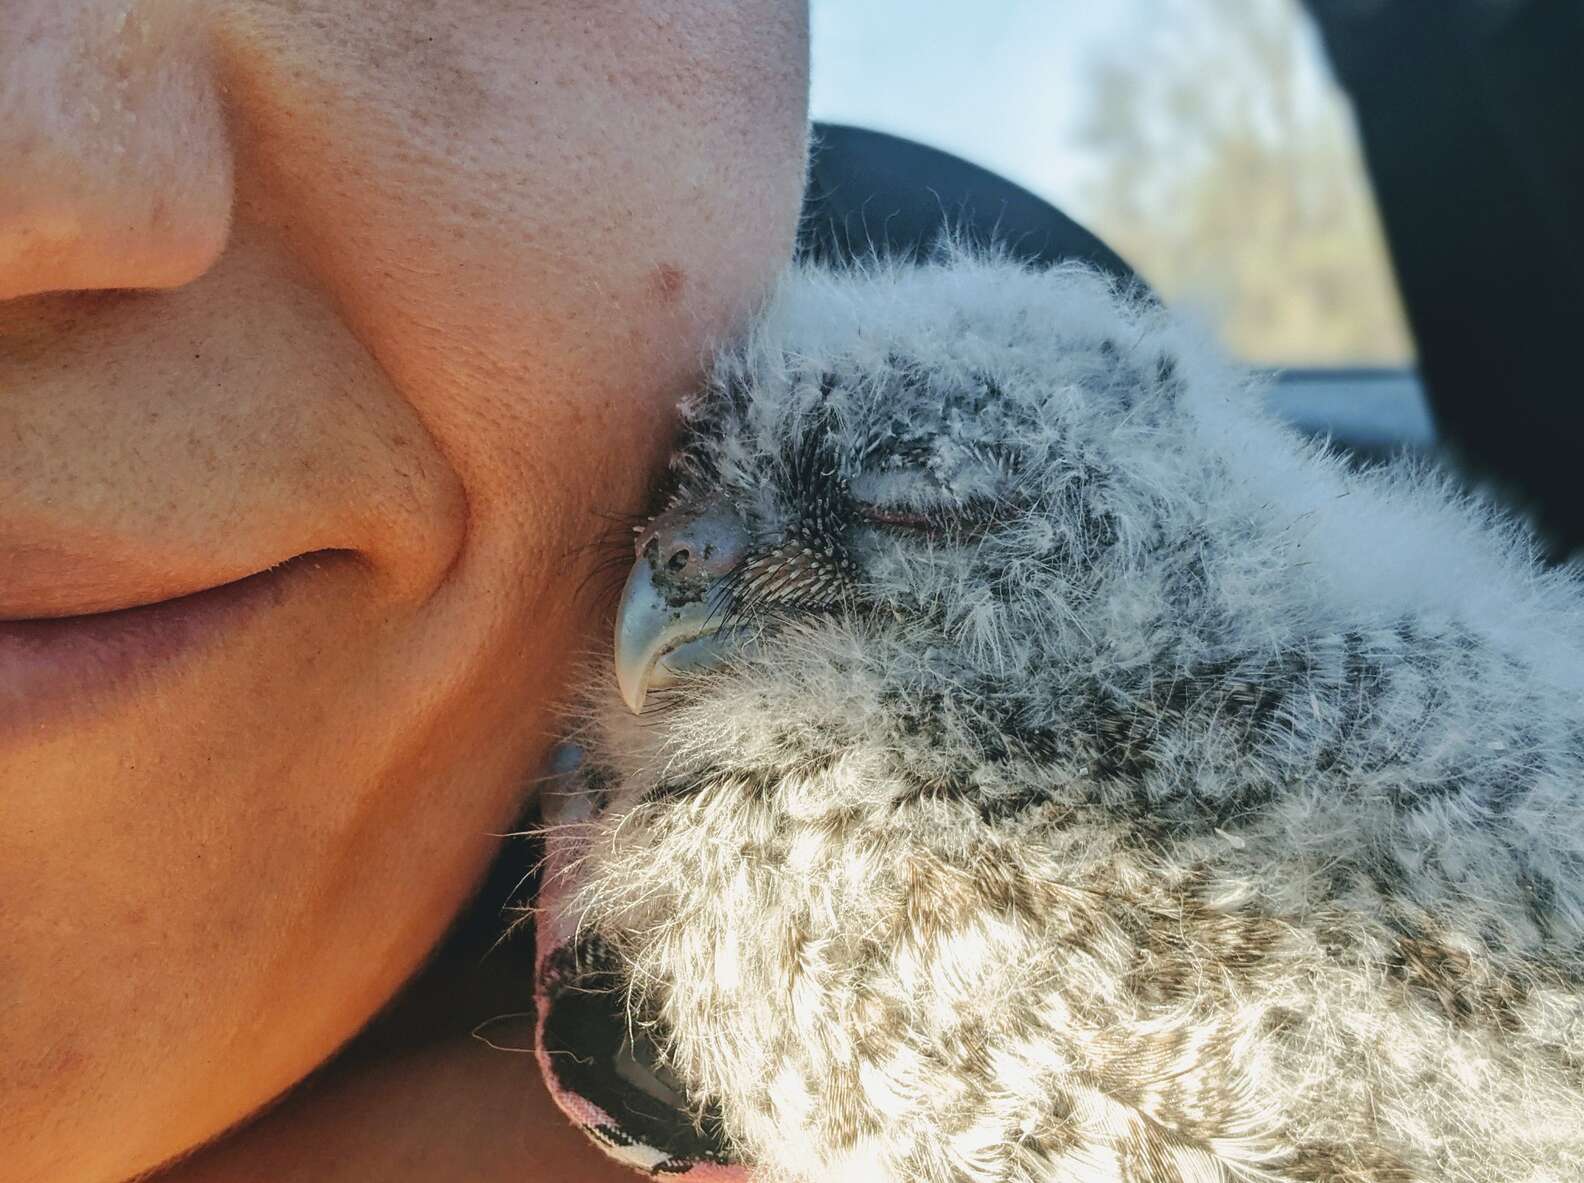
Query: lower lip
{"x": 53, "y": 669}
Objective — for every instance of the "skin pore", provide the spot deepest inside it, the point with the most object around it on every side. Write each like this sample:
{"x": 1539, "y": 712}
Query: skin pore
{"x": 399, "y": 295}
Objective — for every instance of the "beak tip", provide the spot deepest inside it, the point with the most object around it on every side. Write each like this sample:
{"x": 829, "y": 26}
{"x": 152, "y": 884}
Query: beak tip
{"x": 634, "y": 697}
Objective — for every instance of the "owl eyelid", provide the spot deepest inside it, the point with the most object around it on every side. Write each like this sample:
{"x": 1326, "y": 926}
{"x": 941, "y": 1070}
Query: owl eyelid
{"x": 906, "y": 519}
{"x": 944, "y": 522}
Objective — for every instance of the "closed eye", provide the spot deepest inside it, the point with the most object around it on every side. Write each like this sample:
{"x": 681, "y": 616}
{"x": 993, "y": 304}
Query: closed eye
{"x": 901, "y": 519}
{"x": 967, "y": 520}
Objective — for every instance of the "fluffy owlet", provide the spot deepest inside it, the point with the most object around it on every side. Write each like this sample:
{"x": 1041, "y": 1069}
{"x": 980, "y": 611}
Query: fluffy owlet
{"x": 1027, "y": 760}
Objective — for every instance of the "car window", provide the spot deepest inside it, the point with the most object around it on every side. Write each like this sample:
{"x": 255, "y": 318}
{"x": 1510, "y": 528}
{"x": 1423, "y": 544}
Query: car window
{"x": 1205, "y": 140}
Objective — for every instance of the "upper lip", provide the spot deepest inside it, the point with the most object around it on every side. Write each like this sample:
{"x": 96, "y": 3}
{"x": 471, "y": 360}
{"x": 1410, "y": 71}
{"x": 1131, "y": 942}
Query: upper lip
{"x": 53, "y": 582}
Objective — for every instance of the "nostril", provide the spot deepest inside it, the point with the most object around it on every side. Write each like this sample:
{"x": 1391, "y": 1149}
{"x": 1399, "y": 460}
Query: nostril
{"x": 692, "y": 544}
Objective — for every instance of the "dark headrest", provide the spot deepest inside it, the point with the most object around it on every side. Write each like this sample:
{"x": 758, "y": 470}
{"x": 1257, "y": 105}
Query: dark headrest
{"x": 872, "y": 193}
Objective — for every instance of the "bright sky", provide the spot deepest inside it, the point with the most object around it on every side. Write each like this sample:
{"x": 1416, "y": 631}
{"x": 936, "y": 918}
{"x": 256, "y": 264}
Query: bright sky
{"x": 900, "y": 66}
{"x": 1007, "y": 83}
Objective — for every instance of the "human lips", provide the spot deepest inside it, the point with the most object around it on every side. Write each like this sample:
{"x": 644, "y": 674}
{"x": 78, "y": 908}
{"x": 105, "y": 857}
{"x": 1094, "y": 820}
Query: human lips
{"x": 52, "y": 665}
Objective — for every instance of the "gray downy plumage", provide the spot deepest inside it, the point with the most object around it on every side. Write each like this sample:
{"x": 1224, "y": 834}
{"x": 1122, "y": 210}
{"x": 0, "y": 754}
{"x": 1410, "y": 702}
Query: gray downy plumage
{"x": 1095, "y": 780}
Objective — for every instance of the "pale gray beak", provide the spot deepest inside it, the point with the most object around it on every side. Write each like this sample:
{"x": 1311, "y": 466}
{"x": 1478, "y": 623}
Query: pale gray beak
{"x": 671, "y": 608}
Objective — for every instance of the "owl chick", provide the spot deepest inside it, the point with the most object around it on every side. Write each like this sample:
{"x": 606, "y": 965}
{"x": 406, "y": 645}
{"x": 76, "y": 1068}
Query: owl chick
{"x": 1030, "y": 761}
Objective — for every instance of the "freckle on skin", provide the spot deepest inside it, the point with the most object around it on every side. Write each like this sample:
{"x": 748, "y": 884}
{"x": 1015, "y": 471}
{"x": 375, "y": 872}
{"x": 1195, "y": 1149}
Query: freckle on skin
{"x": 668, "y": 282}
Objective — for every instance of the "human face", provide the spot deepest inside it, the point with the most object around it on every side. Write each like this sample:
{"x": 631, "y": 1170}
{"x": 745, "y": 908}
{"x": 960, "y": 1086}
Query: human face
{"x": 365, "y": 313}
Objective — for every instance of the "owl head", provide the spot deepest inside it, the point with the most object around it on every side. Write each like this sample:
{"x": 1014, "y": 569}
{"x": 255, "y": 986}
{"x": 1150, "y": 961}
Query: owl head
{"x": 930, "y": 502}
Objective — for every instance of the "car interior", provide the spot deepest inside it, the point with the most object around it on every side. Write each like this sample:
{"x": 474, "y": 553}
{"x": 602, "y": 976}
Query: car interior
{"x": 1472, "y": 136}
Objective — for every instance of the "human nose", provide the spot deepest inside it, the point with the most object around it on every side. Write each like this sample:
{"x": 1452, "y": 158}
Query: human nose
{"x": 115, "y": 165}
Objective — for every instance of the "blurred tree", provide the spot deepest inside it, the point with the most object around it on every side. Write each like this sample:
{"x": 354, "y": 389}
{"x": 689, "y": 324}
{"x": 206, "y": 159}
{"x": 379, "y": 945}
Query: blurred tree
{"x": 1225, "y": 168}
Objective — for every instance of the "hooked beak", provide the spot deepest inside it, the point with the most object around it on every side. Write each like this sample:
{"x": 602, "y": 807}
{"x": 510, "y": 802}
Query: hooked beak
{"x": 670, "y": 607}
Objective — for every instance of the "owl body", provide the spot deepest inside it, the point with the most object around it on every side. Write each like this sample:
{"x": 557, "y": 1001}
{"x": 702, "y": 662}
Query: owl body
{"x": 1093, "y": 779}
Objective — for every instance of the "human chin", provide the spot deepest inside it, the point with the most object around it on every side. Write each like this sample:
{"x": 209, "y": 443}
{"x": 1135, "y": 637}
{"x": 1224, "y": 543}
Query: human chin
{"x": 175, "y": 840}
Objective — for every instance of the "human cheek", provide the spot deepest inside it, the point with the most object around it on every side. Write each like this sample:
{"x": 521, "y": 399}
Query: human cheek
{"x": 536, "y": 216}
